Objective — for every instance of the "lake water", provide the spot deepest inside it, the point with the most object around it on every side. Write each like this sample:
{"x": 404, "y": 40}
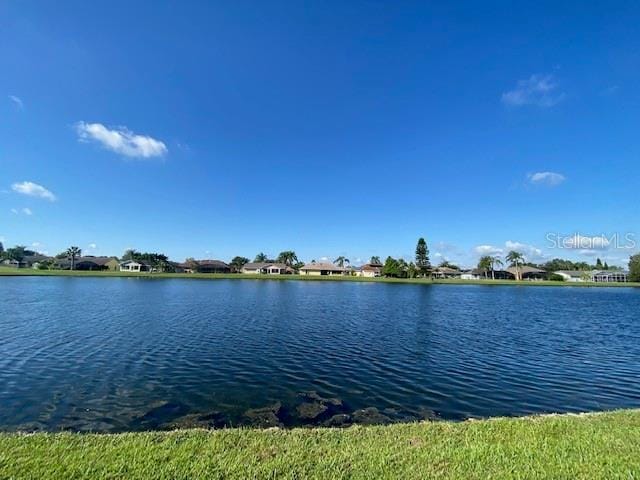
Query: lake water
{"x": 117, "y": 354}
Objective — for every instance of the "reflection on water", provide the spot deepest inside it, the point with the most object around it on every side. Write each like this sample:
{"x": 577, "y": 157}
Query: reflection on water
{"x": 115, "y": 354}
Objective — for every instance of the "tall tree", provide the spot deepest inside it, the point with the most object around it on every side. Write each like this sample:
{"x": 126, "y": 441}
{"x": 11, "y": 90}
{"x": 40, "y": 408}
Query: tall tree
{"x": 72, "y": 254}
{"x": 375, "y": 260}
{"x": 1, "y": 250}
{"x": 130, "y": 254}
{"x": 16, "y": 253}
{"x": 391, "y": 267}
{"x": 341, "y": 260}
{"x": 495, "y": 261}
{"x": 238, "y": 262}
{"x": 598, "y": 264}
{"x": 288, "y": 257}
{"x": 606, "y": 266}
{"x": 422, "y": 257}
{"x": 260, "y": 258}
{"x": 634, "y": 268}
{"x": 484, "y": 265}
{"x": 516, "y": 259}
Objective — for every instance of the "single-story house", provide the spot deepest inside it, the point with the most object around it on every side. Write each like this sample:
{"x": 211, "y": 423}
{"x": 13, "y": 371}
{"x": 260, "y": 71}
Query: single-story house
{"x": 372, "y": 270}
{"x": 322, "y": 269}
{"x": 446, "y": 272}
{"x": 14, "y": 263}
{"x": 266, "y": 268}
{"x": 610, "y": 276}
{"x": 97, "y": 263}
{"x": 574, "y": 275}
{"x": 601, "y": 276}
{"x": 135, "y": 266}
{"x": 28, "y": 261}
{"x": 478, "y": 274}
{"x": 212, "y": 266}
{"x": 472, "y": 274}
{"x": 526, "y": 273}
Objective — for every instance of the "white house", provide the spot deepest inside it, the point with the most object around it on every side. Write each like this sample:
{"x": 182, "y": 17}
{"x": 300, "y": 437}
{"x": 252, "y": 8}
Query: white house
{"x": 257, "y": 268}
{"x": 134, "y": 266}
{"x": 599, "y": 276}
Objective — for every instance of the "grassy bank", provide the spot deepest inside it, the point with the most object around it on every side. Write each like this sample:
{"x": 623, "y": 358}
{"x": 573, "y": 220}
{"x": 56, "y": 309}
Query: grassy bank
{"x": 5, "y": 271}
{"x": 605, "y": 445}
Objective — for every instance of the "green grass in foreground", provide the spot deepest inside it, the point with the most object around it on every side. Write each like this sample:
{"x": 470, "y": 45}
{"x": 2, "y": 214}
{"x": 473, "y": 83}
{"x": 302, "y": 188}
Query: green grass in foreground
{"x": 605, "y": 445}
{"x": 6, "y": 271}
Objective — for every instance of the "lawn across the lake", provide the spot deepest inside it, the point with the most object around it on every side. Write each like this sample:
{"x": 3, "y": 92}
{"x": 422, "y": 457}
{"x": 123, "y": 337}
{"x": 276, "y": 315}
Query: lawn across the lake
{"x": 601, "y": 445}
{"x": 7, "y": 271}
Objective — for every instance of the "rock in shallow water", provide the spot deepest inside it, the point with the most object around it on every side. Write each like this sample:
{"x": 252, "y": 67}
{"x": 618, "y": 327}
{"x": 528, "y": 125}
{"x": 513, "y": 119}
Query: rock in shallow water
{"x": 339, "y": 420}
{"x": 370, "y": 416}
{"x": 311, "y": 410}
{"x": 264, "y": 417}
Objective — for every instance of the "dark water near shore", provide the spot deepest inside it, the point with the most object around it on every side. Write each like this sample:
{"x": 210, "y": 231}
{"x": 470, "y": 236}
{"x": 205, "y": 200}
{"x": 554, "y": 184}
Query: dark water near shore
{"x": 115, "y": 354}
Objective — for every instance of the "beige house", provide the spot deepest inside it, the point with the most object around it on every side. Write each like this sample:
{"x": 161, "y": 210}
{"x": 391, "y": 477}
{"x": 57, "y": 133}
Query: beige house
{"x": 322, "y": 269}
{"x": 263, "y": 268}
{"x": 371, "y": 270}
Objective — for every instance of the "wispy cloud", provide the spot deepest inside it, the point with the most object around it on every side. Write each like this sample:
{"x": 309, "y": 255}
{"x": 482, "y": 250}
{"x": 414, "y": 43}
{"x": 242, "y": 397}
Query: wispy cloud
{"x": 121, "y": 140}
{"x": 92, "y": 246}
{"x": 33, "y": 190}
{"x": 17, "y": 102}
{"x": 488, "y": 250}
{"x": 538, "y": 90}
{"x": 531, "y": 252}
{"x": 27, "y": 211}
{"x": 549, "y": 179}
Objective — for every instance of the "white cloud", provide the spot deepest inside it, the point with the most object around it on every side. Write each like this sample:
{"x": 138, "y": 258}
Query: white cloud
{"x": 550, "y": 179}
{"x": 93, "y": 246}
{"x": 539, "y": 90}
{"x": 33, "y": 190}
{"x": 36, "y": 244}
{"x": 531, "y": 252}
{"x": 121, "y": 140}
{"x": 488, "y": 250}
{"x": 23, "y": 211}
{"x": 17, "y": 101}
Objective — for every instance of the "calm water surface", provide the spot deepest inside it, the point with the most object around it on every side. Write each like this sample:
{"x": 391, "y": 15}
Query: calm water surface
{"x": 114, "y": 354}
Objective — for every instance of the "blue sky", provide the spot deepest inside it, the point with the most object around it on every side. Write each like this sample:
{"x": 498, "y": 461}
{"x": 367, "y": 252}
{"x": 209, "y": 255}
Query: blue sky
{"x": 214, "y": 129}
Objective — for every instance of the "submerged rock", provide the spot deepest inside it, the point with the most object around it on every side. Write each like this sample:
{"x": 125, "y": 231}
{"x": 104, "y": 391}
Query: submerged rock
{"x": 370, "y": 416}
{"x": 315, "y": 397}
{"x": 428, "y": 414}
{"x": 311, "y": 410}
{"x": 161, "y": 415}
{"x": 209, "y": 420}
{"x": 339, "y": 420}
{"x": 264, "y": 417}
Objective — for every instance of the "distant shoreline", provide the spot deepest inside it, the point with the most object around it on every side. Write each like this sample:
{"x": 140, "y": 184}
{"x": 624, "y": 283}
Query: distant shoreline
{"x": 11, "y": 272}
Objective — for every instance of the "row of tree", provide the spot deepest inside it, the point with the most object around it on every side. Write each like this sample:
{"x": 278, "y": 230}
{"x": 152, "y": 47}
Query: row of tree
{"x": 392, "y": 267}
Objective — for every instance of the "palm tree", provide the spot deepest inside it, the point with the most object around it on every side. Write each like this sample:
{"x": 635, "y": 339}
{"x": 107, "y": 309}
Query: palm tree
{"x": 495, "y": 261}
{"x": 515, "y": 259}
{"x": 485, "y": 264}
{"x": 260, "y": 258}
{"x": 288, "y": 257}
{"x": 72, "y": 254}
{"x": 375, "y": 260}
{"x": 340, "y": 261}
